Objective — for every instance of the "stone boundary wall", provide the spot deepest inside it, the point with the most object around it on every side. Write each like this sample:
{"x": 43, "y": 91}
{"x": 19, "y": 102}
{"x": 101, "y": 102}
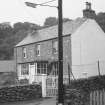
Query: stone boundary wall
{"x": 20, "y": 93}
{"x": 88, "y": 91}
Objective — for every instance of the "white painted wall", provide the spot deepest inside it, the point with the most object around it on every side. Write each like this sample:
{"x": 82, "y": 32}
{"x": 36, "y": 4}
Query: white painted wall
{"x": 31, "y": 73}
{"x": 88, "y": 46}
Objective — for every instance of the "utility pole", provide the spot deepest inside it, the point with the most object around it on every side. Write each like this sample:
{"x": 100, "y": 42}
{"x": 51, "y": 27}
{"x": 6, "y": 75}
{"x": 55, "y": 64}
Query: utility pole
{"x": 60, "y": 56}
{"x": 60, "y": 48}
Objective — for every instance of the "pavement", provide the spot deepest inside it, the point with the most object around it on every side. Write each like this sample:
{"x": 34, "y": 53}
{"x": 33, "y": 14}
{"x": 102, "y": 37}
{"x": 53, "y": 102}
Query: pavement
{"x": 45, "y": 101}
{"x": 49, "y": 101}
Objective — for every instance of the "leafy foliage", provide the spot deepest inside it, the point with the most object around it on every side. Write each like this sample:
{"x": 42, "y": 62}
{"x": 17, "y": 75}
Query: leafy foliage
{"x": 50, "y": 21}
{"x": 10, "y": 36}
{"x": 101, "y": 20}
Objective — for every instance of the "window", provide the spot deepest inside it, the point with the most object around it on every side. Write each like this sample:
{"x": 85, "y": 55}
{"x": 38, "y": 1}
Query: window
{"x": 31, "y": 53}
{"x": 42, "y": 67}
{"x": 24, "y": 70}
{"x": 55, "y": 47}
{"x": 54, "y": 68}
{"x": 24, "y": 52}
{"x": 38, "y": 49}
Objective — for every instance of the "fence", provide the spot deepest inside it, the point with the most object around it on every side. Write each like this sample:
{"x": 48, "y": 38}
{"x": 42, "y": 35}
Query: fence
{"x": 97, "y": 97}
{"x": 50, "y": 85}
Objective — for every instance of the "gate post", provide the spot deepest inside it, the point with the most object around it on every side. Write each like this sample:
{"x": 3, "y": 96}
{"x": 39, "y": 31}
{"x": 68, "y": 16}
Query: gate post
{"x": 44, "y": 77}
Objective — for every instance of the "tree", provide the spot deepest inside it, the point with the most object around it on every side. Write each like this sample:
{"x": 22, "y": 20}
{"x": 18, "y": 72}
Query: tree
{"x": 100, "y": 18}
{"x": 9, "y": 37}
{"x": 25, "y": 26}
{"x": 50, "y": 21}
{"x": 66, "y": 19}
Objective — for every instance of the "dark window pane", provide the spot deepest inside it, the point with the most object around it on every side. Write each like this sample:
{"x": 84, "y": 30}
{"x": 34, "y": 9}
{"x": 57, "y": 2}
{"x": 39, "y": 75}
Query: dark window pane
{"x": 38, "y": 70}
{"x": 38, "y": 65}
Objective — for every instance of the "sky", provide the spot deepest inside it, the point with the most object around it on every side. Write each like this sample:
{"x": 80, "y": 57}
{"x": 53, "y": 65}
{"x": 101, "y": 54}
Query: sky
{"x": 16, "y": 11}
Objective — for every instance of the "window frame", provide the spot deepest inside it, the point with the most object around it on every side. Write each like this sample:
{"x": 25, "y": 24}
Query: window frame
{"x": 55, "y": 46}
{"x": 24, "y": 51}
{"x": 42, "y": 67}
{"x": 38, "y": 47}
{"x": 24, "y": 70}
{"x": 31, "y": 53}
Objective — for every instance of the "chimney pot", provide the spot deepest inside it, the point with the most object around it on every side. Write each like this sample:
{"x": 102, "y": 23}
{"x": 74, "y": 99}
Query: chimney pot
{"x": 88, "y": 5}
{"x": 88, "y": 12}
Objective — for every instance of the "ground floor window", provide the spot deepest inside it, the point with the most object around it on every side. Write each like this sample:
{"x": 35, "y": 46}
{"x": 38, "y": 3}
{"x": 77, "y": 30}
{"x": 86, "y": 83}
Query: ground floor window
{"x": 42, "y": 67}
{"x": 53, "y": 68}
{"x": 24, "y": 69}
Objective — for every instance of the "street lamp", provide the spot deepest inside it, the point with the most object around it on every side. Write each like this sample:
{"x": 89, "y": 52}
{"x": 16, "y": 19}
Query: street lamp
{"x": 34, "y": 5}
{"x": 60, "y": 48}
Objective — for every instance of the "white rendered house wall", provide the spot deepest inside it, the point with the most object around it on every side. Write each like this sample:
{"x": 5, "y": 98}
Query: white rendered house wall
{"x": 88, "y": 46}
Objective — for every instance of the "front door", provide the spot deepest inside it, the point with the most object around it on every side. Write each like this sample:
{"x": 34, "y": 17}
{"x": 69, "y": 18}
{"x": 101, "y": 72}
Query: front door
{"x": 32, "y": 72}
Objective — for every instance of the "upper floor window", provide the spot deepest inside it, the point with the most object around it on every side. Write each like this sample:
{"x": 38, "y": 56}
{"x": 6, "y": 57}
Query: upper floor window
{"x": 38, "y": 49}
{"x": 55, "y": 47}
{"x": 24, "y": 52}
{"x": 31, "y": 53}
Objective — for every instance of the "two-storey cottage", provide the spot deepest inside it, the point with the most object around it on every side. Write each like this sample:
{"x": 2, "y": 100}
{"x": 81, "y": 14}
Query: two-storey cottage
{"x": 38, "y": 52}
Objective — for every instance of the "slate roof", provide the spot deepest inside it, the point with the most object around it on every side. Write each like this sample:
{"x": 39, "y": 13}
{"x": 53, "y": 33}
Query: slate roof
{"x": 52, "y": 32}
{"x": 6, "y": 66}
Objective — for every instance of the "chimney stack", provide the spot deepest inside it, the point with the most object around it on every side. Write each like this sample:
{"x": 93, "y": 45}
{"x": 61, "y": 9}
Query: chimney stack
{"x": 88, "y": 6}
{"x": 88, "y": 12}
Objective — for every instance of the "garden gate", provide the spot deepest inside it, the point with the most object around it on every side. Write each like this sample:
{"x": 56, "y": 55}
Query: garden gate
{"x": 50, "y": 85}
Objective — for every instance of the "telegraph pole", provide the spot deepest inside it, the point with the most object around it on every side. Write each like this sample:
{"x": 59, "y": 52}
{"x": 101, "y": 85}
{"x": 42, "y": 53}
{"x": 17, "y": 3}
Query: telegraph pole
{"x": 60, "y": 48}
{"x": 60, "y": 56}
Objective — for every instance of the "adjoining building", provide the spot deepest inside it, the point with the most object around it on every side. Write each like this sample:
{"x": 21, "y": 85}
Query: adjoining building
{"x": 7, "y": 72}
{"x": 83, "y": 44}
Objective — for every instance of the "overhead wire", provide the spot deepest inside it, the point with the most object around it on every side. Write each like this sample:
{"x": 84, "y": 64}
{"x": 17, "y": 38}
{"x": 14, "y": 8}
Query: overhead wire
{"x": 48, "y": 2}
{"x": 28, "y": 12}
